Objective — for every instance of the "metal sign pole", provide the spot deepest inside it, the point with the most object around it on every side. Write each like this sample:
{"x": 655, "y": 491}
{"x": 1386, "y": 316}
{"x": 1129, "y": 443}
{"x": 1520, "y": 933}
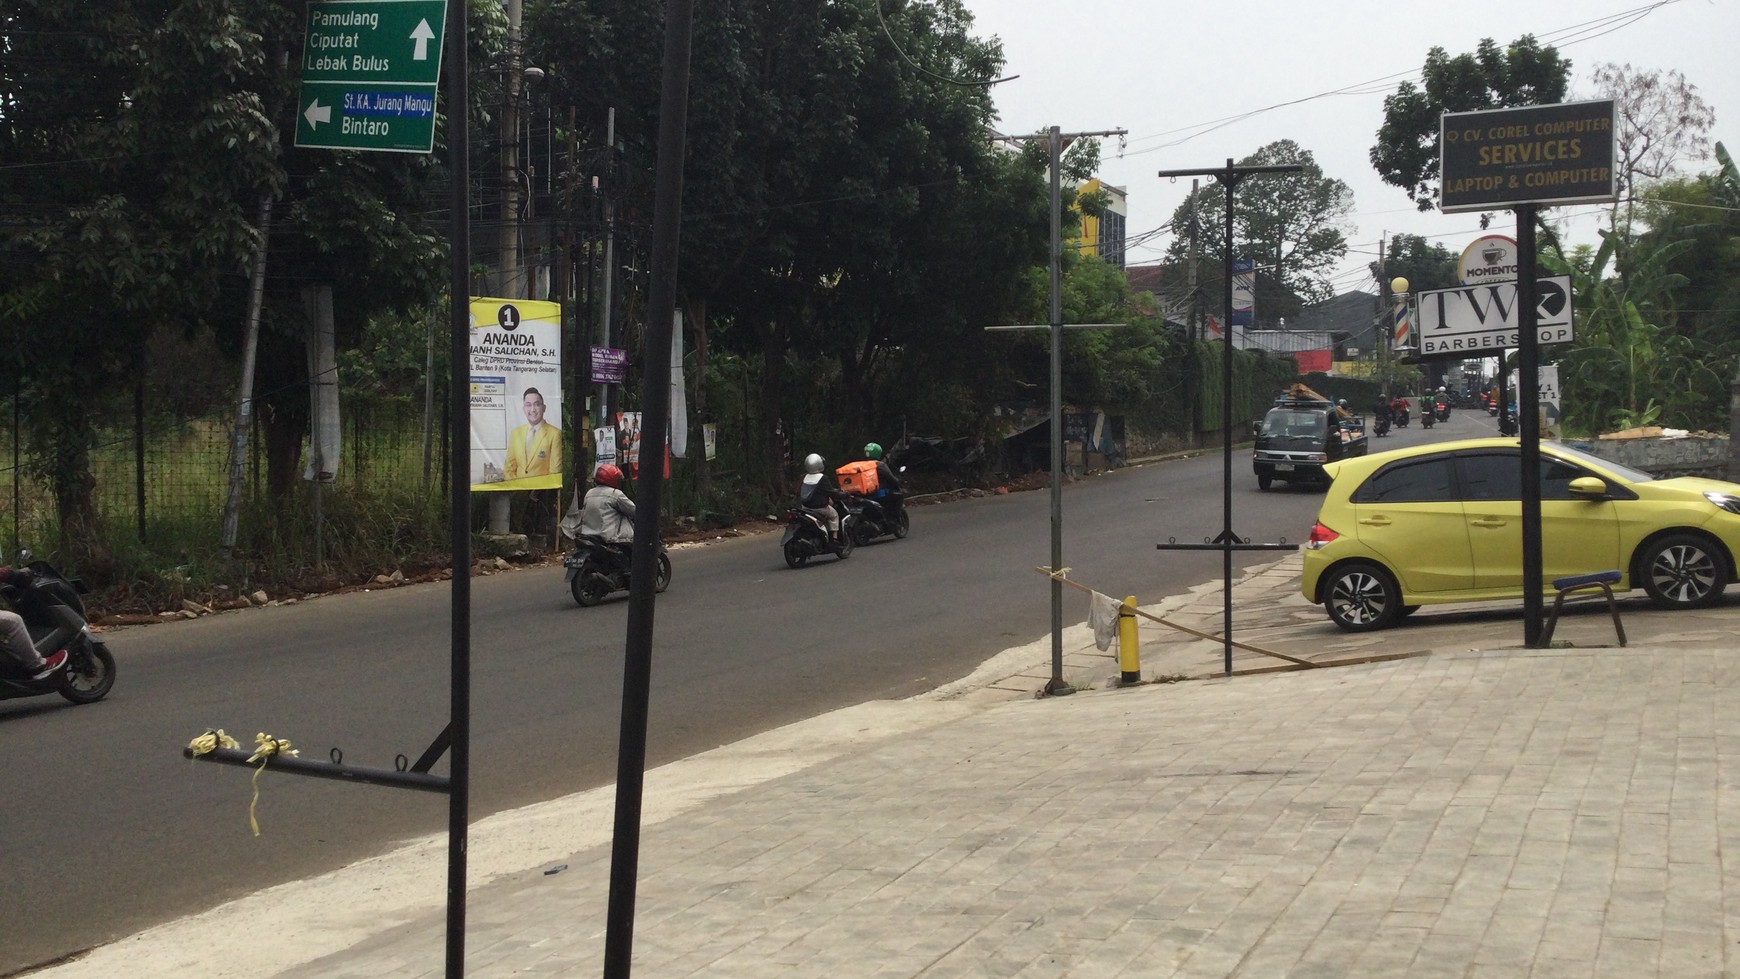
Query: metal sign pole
{"x": 1528, "y": 407}
{"x": 459, "y": 482}
{"x": 1227, "y": 542}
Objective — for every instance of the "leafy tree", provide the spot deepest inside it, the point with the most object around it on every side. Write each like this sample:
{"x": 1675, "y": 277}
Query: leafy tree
{"x": 1290, "y": 223}
{"x": 1662, "y": 121}
{"x": 135, "y": 148}
{"x": 1704, "y": 211}
{"x": 844, "y": 212}
{"x": 1406, "y": 154}
{"x": 1426, "y": 265}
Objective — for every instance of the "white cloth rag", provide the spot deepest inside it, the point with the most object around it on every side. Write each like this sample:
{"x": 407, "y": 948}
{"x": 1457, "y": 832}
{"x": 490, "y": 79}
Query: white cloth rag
{"x": 1103, "y": 618}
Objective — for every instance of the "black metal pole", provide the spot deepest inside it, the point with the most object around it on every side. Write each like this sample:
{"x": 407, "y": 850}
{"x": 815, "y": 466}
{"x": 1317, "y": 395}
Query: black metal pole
{"x": 1528, "y": 409}
{"x": 459, "y": 482}
{"x": 1504, "y": 419}
{"x": 1231, "y": 180}
{"x": 649, "y": 489}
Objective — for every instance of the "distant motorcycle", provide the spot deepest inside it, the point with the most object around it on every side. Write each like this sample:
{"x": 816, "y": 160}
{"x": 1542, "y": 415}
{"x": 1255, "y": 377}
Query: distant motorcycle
{"x": 1443, "y": 411}
{"x": 1401, "y": 418}
{"x": 806, "y": 536}
{"x": 1381, "y": 427}
{"x": 597, "y": 567}
{"x": 55, "y": 617}
{"x": 1427, "y": 417}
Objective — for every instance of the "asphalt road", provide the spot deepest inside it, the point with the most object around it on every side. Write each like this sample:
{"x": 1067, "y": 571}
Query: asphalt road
{"x": 109, "y": 830}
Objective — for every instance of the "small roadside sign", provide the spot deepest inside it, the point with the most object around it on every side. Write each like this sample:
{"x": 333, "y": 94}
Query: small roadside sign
{"x": 370, "y": 69}
{"x": 1474, "y": 319}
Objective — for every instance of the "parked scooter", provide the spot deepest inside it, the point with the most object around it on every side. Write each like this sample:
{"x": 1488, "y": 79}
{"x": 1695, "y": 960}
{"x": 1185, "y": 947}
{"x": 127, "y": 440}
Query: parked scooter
{"x": 806, "y": 535}
{"x": 55, "y": 617}
{"x": 597, "y": 567}
{"x": 875, "y": 517}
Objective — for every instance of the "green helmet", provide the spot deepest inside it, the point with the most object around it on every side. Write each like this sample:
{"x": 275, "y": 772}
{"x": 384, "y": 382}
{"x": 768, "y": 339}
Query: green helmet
{"x": 872, "y": 450}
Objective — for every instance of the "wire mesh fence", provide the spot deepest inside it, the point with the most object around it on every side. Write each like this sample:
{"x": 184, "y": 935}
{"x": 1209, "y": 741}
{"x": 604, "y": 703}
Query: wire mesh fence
{"x": 168, "y": 482}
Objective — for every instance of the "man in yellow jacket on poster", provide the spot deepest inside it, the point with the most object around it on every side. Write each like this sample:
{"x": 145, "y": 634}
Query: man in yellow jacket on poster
{"x": 535, "y": 448}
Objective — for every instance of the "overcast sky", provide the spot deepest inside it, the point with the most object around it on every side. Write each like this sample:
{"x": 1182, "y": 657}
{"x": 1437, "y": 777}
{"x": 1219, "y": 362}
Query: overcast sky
{"x": 1196, "y": 83}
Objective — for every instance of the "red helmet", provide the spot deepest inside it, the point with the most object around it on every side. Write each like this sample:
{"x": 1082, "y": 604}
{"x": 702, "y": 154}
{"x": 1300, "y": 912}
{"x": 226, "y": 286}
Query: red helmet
{"x": 608, "y": 475}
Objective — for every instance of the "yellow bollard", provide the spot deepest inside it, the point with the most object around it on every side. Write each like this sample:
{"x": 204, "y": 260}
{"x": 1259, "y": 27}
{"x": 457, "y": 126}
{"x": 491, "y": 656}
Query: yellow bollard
{"x": 1129, "y": 651}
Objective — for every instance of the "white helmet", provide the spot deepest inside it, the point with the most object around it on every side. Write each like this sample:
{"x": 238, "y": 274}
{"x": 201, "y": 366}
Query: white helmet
{"x": 813, "y": 463}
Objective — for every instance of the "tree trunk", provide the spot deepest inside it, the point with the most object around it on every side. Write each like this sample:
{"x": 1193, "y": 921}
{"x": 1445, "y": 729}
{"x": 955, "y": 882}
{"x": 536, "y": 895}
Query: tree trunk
{"x": 775, "y": 430}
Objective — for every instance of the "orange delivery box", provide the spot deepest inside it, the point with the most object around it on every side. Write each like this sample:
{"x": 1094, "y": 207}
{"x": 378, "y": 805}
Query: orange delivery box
{"x": 858, "y": 477}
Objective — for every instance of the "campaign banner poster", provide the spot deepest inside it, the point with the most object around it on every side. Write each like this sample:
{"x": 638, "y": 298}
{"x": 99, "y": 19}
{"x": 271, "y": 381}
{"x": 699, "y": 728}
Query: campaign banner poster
{"x": 604, "y": 441}
{"x": 516, "y": 394}
{"x": 629, "y": 443}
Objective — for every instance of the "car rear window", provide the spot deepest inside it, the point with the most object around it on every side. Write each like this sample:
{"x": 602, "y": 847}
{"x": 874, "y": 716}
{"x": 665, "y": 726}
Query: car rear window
{"x": 1414, "y": 481}
{"x": 1285, "y": 421}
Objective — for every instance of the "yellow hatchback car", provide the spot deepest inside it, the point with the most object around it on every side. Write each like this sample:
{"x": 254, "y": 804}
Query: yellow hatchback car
{"x": 1441, "y": 523}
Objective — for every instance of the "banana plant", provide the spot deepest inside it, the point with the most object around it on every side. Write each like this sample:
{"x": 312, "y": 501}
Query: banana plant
{"x": 1624, "y": 349}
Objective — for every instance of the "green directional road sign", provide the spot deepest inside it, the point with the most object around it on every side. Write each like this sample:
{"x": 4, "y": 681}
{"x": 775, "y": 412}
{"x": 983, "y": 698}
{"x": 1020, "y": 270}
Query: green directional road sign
{"x": 369, "y": 74}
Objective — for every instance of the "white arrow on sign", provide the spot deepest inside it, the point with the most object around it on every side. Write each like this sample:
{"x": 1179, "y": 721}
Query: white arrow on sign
{"x": 422, "y": 34}
{"x": 317, "y": 114}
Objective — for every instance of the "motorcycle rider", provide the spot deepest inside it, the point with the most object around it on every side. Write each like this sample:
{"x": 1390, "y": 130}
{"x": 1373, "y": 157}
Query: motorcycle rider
{"x": 15, "y": 638}
{"x": 1381, "y": 412}
{"x": 888, "y": 493}
{"x": 817, "y": 495}
{"x": 607, "y": 512}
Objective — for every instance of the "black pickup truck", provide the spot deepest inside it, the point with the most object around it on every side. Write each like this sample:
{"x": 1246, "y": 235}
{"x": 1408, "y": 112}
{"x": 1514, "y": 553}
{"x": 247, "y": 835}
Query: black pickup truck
{"x": 1299, "y": 435}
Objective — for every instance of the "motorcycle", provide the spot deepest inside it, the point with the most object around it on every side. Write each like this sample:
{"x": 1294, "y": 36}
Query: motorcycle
{"x": 597, "y": 567}
{"x": 1427, "y": 417}
{"x": 1381, "y": 427}
{"x": 806, "y": 536}
{"x": 1401, "y": 418}
{"x": 1443, "y": 411}
{"x": 873, "y": 518}
{"x": 55, "y": 617}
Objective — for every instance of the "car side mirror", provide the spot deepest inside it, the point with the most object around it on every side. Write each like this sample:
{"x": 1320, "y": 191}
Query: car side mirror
{"x": 1256, "y": 428}
{"x": 1589, "y": 486}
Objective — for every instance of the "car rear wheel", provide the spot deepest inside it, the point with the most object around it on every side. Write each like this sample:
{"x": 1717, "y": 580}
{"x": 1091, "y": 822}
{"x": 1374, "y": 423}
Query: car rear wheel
{"x": 1684, "y": 571}
{"x": 1362, "y": 597}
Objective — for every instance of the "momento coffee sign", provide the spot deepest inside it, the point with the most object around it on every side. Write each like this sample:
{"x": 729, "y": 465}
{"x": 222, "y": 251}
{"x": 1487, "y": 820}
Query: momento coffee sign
{"x": 1542, "y": 154}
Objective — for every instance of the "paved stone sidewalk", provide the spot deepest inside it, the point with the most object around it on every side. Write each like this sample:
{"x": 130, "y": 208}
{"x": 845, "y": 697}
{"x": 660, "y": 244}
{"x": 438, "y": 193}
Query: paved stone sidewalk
{"x": 1562, "y": 812}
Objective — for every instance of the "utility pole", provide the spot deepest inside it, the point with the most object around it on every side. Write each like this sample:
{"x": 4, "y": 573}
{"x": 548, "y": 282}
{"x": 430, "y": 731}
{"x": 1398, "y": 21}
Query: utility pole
{"x": 1055, "y": 142}
{"x": 1381, "y": 341}
{"x": 509, "y": 255}
{"x": 510, "y": 160}
{"x": 606, "y": 286}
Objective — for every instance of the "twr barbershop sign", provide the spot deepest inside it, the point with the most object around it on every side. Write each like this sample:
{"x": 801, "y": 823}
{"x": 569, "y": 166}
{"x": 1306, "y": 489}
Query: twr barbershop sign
{"x": 1542, "y": 154}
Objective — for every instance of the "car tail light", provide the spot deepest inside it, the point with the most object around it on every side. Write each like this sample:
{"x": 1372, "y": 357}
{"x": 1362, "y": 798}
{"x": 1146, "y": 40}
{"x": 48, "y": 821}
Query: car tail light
{"x": 1320, "y": 536}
